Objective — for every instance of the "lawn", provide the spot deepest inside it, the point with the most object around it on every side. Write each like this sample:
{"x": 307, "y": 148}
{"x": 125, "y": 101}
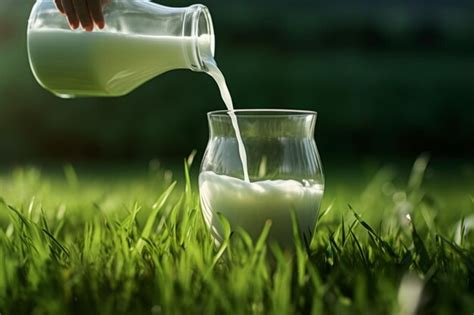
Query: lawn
{"x": 390, "y": 239}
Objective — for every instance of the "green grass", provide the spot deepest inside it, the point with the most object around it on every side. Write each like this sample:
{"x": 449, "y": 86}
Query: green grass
{"x": 90, "y": 242}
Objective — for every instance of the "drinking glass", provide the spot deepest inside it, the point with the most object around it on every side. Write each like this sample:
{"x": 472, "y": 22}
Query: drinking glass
{"x": 284, "y": 169}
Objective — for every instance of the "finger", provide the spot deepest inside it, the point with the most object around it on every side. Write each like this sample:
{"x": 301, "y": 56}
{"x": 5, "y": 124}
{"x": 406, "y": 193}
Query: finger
{"x": 59, "y": 5}
{"x": 95, "y": 9}
{"x": 83, "y": 14}
{"x": 70, "y": 13}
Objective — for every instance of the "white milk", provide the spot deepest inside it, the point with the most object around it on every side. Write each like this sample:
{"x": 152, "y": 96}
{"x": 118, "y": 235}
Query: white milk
{"x": 249, "y": 205}
{"x": 101, "y": 63}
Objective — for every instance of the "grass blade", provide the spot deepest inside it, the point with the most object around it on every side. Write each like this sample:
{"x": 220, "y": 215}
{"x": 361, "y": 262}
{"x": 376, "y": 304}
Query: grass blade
{"x": 151, "y": 219}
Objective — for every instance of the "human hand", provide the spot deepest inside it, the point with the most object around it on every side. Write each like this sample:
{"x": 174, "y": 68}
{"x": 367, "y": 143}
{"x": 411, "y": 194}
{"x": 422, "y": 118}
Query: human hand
{"x": 85, "y": 13}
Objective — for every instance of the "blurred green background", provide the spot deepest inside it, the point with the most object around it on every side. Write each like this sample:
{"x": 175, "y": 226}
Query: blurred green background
{"x": 390, "y": 78}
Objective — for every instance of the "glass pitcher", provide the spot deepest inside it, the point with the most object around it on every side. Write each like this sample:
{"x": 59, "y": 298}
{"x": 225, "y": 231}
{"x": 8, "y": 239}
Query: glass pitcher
{"x": 141, "y": 40}
{"x": 284, "y": 169}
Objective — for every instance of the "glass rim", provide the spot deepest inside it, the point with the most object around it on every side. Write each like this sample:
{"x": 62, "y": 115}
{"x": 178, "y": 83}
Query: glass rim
{"x": 262, "y": 112}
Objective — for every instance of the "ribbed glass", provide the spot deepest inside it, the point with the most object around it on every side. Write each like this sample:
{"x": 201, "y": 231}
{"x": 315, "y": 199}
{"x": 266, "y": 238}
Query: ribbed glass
{"x": 283, "y": 164}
